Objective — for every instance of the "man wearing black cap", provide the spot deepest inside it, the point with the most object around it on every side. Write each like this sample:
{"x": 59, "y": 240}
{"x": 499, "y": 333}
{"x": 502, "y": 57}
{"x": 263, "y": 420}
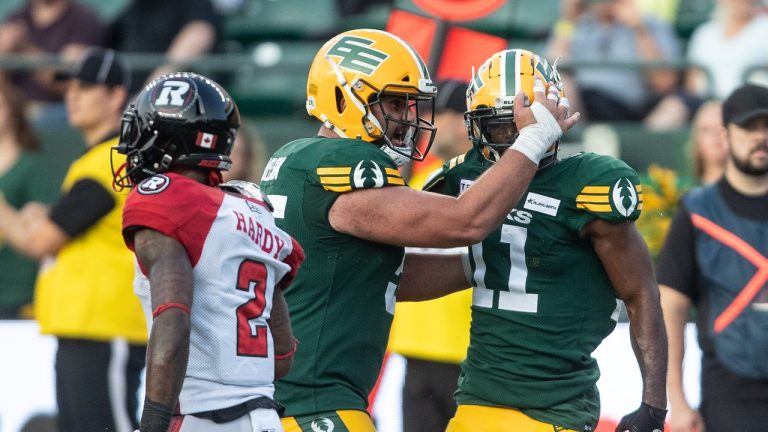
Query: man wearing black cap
{"x": 715, "y": 259}
{"x": 85, "y": 296}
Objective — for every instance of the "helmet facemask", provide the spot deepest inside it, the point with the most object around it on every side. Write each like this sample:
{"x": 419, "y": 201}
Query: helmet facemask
{"x": 493, "y": 131}
{"x": 145, "y": 156}
{"x": 407, "y": 116}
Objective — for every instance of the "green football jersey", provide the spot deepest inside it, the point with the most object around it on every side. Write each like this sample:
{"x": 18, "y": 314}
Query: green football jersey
{"x": 342, "y": 300}
{"x": 542, "y": 302}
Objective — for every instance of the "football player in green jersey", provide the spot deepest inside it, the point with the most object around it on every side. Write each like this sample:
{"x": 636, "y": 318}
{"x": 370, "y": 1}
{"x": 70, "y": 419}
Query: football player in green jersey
{"x": 546, "y": 280}
{"x": 341, "y": 195}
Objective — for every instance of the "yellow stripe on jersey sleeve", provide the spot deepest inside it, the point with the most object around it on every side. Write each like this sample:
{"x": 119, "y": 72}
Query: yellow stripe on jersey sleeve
{"x": 334, "y": 180}
{"x": 334, "y": 171}
{"x": 592, "y": 198}
{"x": 346, "y": 188}
{"x": 392, "y": 172}
{"x": 596, "y": 190}
{"x": 597, "y": 208}
{"x": 396, "y": 181}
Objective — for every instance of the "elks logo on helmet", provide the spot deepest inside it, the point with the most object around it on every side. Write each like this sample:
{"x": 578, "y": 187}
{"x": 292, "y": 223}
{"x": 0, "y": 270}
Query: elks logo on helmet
{"x": 174, "y": 96}
{"x": 357, "y": 55}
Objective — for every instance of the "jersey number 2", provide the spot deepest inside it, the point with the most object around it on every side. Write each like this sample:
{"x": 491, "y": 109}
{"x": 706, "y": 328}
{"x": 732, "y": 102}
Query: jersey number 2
{"x": 251, "y": 338}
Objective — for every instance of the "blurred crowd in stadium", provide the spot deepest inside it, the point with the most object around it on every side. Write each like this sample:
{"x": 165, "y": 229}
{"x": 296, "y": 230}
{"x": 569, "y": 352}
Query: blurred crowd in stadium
{"x": 649, "y": 77}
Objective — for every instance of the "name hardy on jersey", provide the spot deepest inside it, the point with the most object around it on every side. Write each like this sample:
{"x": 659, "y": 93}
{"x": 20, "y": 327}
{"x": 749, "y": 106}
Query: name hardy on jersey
{"x": 260, "y": 235}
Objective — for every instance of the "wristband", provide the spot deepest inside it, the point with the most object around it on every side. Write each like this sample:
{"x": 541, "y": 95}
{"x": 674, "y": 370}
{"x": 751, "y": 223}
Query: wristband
{"x": 290, "y": 353}
{"x": 164, "y": 307}
{"x": 155, "y": 417}
{"x": 535, "y": 139}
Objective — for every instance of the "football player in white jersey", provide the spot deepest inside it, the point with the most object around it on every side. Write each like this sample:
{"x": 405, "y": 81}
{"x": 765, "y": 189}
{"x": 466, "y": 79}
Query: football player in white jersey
{"x": 211, "y": 264}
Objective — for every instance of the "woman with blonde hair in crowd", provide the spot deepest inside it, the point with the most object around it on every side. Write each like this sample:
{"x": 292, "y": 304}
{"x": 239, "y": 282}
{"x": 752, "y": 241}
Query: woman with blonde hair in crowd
{"x": 21, "y": 181}
{"x": 708, "y": 148}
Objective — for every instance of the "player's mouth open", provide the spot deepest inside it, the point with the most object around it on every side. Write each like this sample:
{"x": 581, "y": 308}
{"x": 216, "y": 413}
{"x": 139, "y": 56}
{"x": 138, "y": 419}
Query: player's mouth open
{"x": 397, "y": 137}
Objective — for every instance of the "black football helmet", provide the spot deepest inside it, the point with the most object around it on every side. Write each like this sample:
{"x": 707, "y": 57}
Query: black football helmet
{"x": 178, "y": 119}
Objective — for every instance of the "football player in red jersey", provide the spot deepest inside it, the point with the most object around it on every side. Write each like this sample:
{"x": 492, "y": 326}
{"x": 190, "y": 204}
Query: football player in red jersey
{"x": 211, "y": 264}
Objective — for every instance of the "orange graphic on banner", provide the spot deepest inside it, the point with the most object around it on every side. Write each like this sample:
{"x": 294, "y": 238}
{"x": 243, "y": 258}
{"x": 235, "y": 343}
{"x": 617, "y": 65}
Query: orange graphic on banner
{"x": 744, "y": 249}
{"x": 459, "y": 10}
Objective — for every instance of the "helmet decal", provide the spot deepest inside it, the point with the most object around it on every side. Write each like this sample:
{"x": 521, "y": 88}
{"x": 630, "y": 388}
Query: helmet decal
{"x": 174, "y": 96}
{"x": 357, "y": 55}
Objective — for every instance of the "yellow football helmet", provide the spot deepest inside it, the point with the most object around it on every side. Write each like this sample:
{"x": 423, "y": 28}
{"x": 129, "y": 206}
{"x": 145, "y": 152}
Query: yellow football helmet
{"x": 491, "y": 95}
{"x": 349, "y": 75}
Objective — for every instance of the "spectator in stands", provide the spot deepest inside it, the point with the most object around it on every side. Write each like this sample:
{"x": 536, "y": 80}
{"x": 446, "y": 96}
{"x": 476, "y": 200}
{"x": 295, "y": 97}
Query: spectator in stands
{"x": 21, "y": 181}
{"x": 433, "y": 335}
{"x": 727, "y": 46}
{"x": 708, "y": 146}
{"x": 85, "y": 296}
{"x": 614, "y": 30}
{"x": 248, "y": 155}
{"x": 62, "y": 27}
{"x": 181, "y": 29}
{"x": 713, "y": 260}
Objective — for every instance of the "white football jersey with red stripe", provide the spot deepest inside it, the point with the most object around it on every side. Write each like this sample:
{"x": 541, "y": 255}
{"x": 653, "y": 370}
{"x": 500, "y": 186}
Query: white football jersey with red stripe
{"x": 239, "y": 256}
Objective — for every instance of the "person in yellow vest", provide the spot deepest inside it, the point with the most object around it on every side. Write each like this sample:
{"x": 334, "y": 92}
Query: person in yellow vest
{"x": 84, "y": 294}
{"x": 433, "y": 335}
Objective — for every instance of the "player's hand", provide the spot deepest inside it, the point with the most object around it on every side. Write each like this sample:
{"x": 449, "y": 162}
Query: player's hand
{"x": 644, "y": 419}
{"x": 543, "y": 122}
{"x": 547, "y": 109}
{"x": 685, "y": 419}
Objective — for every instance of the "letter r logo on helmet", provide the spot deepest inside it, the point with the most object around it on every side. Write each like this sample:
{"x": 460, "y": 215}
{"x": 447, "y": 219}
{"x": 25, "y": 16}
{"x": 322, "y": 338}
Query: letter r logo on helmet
{"x": 172, "y": 92}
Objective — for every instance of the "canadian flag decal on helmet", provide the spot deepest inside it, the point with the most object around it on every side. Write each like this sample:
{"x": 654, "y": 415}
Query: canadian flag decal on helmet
{"x": 206, "y": 140}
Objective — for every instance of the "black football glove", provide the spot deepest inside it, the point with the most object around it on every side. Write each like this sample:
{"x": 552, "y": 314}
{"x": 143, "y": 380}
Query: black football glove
{"x": 644, "y": 419}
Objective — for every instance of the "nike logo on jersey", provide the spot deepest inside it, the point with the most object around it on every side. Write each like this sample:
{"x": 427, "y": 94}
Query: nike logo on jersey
{"x": 541, "y": 204}
{"x": 260, "y": 235}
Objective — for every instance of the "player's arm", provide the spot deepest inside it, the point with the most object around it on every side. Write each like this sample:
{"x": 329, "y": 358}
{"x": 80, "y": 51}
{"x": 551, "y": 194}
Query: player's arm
{"x": 676, "y": 271}
{"x": 626, "y": 260}
{"x": 36, "y": 232}
{"x": 428, "y": 275}
{"x": 171, "y": 285}
{"x": 406, "y": 217}
{"x": 282, "y": 335}
{"x": 676, "y": 306}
